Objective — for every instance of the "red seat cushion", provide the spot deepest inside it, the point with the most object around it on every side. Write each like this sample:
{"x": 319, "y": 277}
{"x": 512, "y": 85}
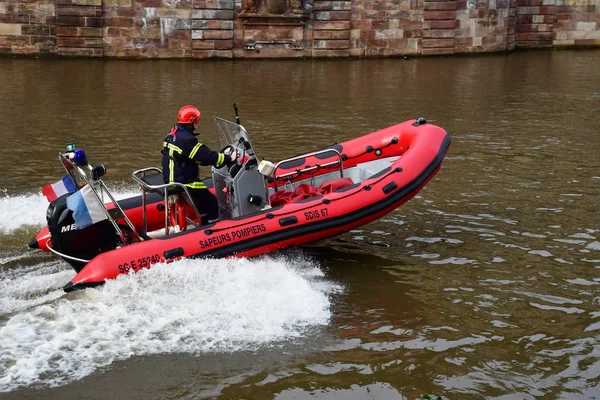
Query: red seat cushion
{"x": 335, "y": 184}
{"x": 281, "y": 197}
{"x": 306, "y": 191}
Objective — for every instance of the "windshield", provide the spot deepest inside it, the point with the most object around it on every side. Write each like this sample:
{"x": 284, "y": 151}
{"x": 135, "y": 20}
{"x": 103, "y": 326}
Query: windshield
{"x": 234, "y": 134}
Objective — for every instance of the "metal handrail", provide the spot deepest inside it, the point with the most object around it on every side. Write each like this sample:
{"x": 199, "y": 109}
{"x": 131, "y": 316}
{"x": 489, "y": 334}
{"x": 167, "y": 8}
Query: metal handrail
{"x": 70, "y": 167}
{"x": 147, "y": 187}
{"x": 307, "y": 169}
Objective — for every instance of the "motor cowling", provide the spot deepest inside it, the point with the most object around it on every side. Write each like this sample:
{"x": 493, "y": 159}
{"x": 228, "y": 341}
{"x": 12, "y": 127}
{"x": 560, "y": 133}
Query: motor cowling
{"x": 80, "y": 243}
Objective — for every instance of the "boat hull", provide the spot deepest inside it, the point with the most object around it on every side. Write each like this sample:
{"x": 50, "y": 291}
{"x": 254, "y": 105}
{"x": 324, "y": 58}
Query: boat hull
{"x": 419, "y": 148}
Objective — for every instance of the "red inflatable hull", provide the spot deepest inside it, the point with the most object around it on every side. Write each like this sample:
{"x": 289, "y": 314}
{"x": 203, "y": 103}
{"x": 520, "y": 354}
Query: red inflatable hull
{"x": 421, "y": 150}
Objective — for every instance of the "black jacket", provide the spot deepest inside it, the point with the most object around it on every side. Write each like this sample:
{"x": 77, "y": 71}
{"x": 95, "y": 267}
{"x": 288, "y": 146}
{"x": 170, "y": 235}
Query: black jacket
{"x": 182, "y": 153}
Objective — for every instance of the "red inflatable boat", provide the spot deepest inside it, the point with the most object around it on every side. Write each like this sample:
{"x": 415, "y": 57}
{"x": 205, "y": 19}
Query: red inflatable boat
{"x": 262, "y": 206}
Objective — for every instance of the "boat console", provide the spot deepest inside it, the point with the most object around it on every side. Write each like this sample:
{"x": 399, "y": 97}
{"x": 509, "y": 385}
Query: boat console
{"x": 240, "y": 188}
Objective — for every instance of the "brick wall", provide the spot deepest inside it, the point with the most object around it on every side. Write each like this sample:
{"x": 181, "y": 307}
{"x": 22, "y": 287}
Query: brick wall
{"x": 485, "y": 26}
{"x": 322, "y": 28}
{"x": 576, "y": 22}
{"x": 387, "y": 27}
{"x": 331, "y": 28}
{"x": 27, "y": 27}
{"x": 79, "y": 28}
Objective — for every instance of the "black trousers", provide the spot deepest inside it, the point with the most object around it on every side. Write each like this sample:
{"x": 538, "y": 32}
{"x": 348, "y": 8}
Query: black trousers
{"x": 206, "y": 203}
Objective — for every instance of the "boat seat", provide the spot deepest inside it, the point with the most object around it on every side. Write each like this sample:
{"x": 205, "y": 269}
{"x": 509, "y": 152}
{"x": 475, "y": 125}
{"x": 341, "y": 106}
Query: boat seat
{"x": 306, "y": 191}
{"x": 176, "y": 197}
{"x": 156, "y": 180}
{"x": 332, "y": 185}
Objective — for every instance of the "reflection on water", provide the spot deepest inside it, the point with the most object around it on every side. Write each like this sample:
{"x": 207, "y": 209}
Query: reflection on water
{"x": 485, "y": 285}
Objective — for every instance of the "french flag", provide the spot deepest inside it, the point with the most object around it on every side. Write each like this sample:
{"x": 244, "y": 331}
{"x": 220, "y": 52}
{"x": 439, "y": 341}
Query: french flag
{"x": 86, "y": 208}
{"x": 53, "y": 191}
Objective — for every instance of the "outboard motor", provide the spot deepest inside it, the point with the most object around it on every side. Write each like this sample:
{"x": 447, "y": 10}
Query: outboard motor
{"x": 79, "y": 243}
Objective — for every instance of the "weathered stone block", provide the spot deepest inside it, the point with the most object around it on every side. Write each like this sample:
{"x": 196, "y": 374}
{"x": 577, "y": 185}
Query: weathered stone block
{"x": 212, "y": 14}
{"x": 171, "y": 53}
{"x": 375, "y": 52}
{"x": 223, "y": 44}
{"x": 441, "y": 5}
{"x": 45, "y": 9}
{"x": 329, "y": 53}
{"x": 437, "y": 24}
{"x": 413, "y": 33}
{"x": 331, "y": 25}
{"x": 43, "y": 40}
{"x": 79, "y": 11}
{"x": 25, "y": 49}
{"x": 218, "y": 34}
{"x": 587, "y": 26}
{"x": 378, "y": 24}
{"x": 8, "y": 41}
{"x": 535, "y": 36}
{"x": 79, "y": 52}
{"x": 340, "y": 15}
{"x": 120, "y": 22}
{"x": 26, "y": 8}
{"x": 220, "y": 24}
{"x": 322, "y": 16}
{"x": 179, "y": 44}
{"x": 437, "y": 51}
{"x": 564, "y": 42}
{"x": 197, "y": 34}
{"x": 199, "y": 24}
{"x": 122, "y": 42}
{"x": 429, "y": 15}
{"x": 376, "y": 43}
{"x": 331, "y": 44}
{"x": 333, "y": 5}
{"x": 363, "y": 24}
{"x": 595, "y": 35}
{"x": 69, "y": 20}
{"x": 10, "y": 29}
{"x": 465, "y": 41}
{"x": 87, "y": 2}
{"x": 181, "y": 34}
{"x": 389, "y": 34}
{"x": 213, "y": 4}
{"x": 528, "y": 10}
{"x": 173, "y": 13}
{"x": 202, "y": 54}
{"x": 332, "y": 34}
{"x": 148, "y": 33}
{"x": 14, "y": 19}
{"x": 66, "y": 31}
{"x": 43, "y": 30}
{"x": 203, "y": 44}
{"x": 438, "y": 33}
{"x": 79, "y": 42}
{"x": 127, "y": 12}
{"x": 89, "y": 32}
{"x": 437, "y": 43}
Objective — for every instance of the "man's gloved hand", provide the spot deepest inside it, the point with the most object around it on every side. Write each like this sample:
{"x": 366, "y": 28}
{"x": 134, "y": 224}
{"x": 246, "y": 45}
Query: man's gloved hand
{"x": 234, "y": 156}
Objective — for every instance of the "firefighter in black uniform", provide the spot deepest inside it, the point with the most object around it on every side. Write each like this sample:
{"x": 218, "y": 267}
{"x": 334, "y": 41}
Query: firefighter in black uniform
{"x": 182, "y": 153}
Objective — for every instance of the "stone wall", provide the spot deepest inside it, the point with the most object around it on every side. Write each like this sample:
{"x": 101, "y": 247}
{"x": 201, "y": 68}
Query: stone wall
{"x": 309, "y": 28}
{"x": 28, "y": 27}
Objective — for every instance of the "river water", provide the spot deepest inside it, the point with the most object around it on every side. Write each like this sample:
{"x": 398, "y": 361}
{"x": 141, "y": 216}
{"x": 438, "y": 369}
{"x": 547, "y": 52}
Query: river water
{"x": 485, "y": 285}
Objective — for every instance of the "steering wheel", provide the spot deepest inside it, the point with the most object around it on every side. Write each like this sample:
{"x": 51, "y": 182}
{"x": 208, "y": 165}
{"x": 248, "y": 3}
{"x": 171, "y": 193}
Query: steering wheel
{"x": 228, "y": 150}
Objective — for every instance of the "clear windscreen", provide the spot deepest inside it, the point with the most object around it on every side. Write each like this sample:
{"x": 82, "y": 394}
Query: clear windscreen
{"x": 235, "y": 135}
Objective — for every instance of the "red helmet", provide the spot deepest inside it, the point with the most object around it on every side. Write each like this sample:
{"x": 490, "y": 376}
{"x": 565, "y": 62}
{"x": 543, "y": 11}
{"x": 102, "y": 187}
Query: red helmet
{"x": 188, "y": 115}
